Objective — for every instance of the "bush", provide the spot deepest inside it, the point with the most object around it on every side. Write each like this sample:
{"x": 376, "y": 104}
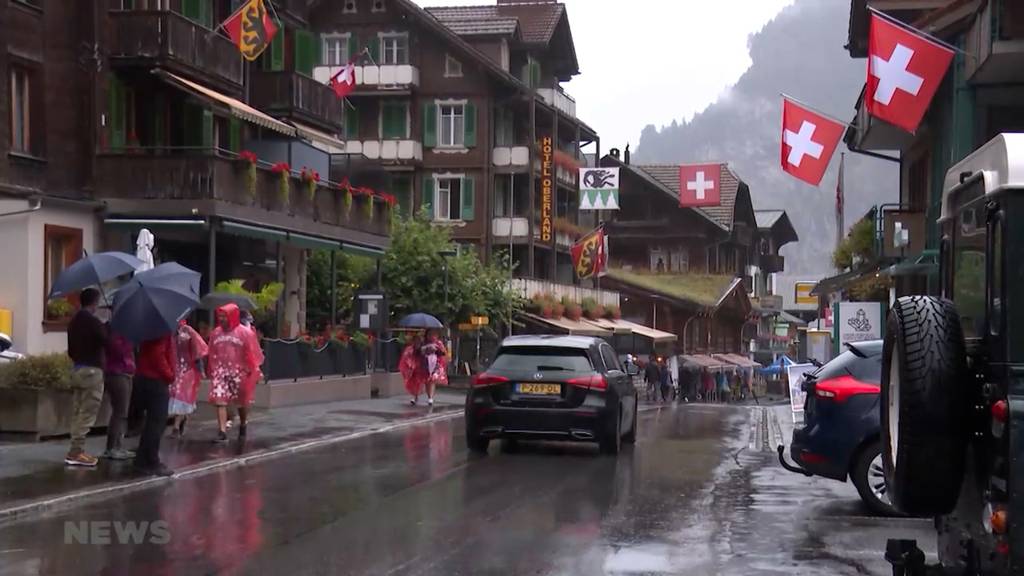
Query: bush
{"x": 360, "y": 340}
{"x": 43, "y": 372}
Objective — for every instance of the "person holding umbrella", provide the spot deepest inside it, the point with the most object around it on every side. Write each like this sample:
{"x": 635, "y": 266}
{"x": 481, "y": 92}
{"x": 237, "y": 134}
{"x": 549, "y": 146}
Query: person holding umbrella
{"x": 234, "y": 368}
{"x": 87, "y": 338}
{"x": 436, "y": 356}
{"x": 154, "y": 375}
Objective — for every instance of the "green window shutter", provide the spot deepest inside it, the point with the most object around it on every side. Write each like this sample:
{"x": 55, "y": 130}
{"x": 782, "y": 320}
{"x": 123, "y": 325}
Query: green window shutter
{"x": 353, "y": 46}
{"x": 207, "y": 124}
{"x": 430, "y": 125}
{"x": 305, "y": 52}
{"x": 374, "y": 46}
{"x": 392, "y": 120}
{"x": 234, "y": 135}
{"x": 277, "y": 48}
{"x": 427, "y": 196}
{"x": 534, "y": 74}
{"x": 469, "y": 125}
{"x": 192, "y": 9}
{"x": 316, "y": 51}
{"x": 468, "y": 199}
{"x": 116, "y": 112}
{"x": 351, "y": 123}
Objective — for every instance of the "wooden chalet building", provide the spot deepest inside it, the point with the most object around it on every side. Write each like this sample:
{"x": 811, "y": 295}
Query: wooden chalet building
{"x": 690, "y": 271}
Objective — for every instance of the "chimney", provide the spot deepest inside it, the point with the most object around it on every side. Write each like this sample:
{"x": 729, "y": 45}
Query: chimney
{"x": 614, "y": 153}
{"x": 625, "y": 156}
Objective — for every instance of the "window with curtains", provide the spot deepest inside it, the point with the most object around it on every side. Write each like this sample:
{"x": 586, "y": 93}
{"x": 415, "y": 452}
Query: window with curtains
{"x": 504, "y": 127}
{"x": 452, "y": 118}
{"x": 449, "y": 197}
{"x": 394, "y": 119}
{"x": 448, "y": 201}
{"x": 62, "y": 247}
{"x": 21, "y": 110}
{"x": 336, "y": 49}
{"x": 394, "y": 48}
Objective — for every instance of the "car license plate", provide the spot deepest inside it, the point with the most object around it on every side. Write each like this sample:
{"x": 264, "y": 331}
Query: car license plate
{"x": 540, "y": 389}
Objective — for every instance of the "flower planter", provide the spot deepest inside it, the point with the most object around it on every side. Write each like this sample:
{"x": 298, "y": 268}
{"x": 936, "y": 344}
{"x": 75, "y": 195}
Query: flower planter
{"x": 41, "y": 413}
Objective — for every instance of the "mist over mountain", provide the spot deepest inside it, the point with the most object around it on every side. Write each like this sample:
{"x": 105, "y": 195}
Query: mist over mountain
{"x": 799, "y": 53}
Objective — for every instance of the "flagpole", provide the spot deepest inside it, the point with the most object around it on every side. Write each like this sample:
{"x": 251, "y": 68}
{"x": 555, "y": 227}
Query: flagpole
{"x": 813, "y": 109}
{"x": 841, "y": 200}
{"x": 919, "y": 32}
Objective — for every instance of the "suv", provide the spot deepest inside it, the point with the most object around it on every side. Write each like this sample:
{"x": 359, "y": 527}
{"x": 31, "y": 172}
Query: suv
{"x": 840, "y": 435}
{"x": 953, "y": 378}
{"x": 556, "y": 388}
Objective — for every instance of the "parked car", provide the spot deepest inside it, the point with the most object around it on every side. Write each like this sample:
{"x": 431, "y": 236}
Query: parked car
{"x": 840, "y": 437}
{"x": 553, "y": 388}
{"x": 6, "y": 354}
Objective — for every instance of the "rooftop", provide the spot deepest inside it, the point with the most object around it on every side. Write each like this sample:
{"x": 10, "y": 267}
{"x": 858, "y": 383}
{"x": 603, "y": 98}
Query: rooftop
{"x": 701, "y": 289}
{"x": 767, "y": 218}
{"x": 538, "y": 20}
{"x": 668, "y": 175}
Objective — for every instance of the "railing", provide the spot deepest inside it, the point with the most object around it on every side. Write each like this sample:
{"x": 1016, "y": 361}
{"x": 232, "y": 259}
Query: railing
{"x": 197, "y": 174}
{"x": 290, "y": 92}
{"x": 559, "y": 99}
{"x": 388, "y": 76}
{"x": 162, "y": 34}
{"x": 995, "y": 42}
{"x": 529, "y": 287}
{"x": 511, "y": 156}
{"x": 501, "y": 227}
{"x": 395, "y": 150}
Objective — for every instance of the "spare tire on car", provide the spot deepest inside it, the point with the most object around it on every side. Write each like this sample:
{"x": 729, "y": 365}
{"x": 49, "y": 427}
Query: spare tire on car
{"x": 925, "y": 406}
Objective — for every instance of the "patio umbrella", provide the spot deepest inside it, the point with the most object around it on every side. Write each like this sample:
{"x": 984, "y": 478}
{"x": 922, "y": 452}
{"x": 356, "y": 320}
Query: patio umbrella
{"x": 94, "y": 271}
{"x": 144, "y": 248}
{"x": 147, "y": 311}
{"x": 215, "y": 300}
{"x": 171, "y": 274}
{"x": 420, "y": 320}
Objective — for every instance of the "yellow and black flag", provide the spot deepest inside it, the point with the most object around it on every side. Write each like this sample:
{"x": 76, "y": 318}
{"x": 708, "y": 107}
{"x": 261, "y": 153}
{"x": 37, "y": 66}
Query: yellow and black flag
{"x": 251, "y": 29}
{"x": 590, "y": 254}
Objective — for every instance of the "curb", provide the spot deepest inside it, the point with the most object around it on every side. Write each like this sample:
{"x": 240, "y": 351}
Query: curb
{"x": 20, "y": 512}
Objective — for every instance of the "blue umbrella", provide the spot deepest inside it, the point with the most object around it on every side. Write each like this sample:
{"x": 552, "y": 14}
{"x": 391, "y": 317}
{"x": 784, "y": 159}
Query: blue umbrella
{"x": 420, "y": 320}
{"x": 171, "y": 274}
{"x": 93, "y": 271}
{"x": 147, "y": 311}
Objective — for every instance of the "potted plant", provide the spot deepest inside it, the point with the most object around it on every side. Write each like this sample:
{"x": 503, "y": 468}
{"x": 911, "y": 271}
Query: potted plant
{"x": 310, "y": 178}
{"x": 284, "y": 172}
{"x": 59, "y": 309}
{"x": 613, "y": 312}
{"x": 36, "y": 395}
{"x": 346, "y": 198}
{"x": 248, "y": 160}
{"x": 573, "y": 311}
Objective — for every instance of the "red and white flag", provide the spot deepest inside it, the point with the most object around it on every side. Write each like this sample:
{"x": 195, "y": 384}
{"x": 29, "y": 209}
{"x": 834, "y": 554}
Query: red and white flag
{"x": 808, "y": 142}
{"x": 344, "y": 81}
{"x": 905, "y": 69}
{"x": 700, "y": 185}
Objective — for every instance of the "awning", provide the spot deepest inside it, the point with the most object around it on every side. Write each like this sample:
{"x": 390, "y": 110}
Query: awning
{"x": 571, "y": 327}
{"x": 647, "y": 332}
{"x": 738, "y": 360}
{"x": 153, "y": 222}
{"x": 927, "y": 262}
{"x": 312, "y": 242}
{"x": 237, "y": 107}
{"x": 610, "y": 325}
{"x": 702, "y": 361}
{"x": 356, "y": 250}
{"x": 275, "y": 235}
{"x": 320, "y": 139}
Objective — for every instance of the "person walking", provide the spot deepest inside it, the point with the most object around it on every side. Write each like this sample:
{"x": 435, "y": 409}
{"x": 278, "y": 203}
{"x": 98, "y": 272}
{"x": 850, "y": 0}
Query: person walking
{"x": 154, "y": 376}
{"x": 652, "y": 377}
{"x": 665, "y": 379}
{"x": 189, "y": 350}
{"x": 234, "y": 368}
{"x": 87, "y": 339}
{"x": 707, "y": 383}
{"x": 413, "y": 367}
{"x": 436, "y": 357}
{"x": 117, "y": 379}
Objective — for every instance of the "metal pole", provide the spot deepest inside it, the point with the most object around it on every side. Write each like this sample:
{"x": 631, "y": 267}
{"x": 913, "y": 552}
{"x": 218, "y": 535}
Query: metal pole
{"x": 511, "y": 270}
{"x": 211, "y": 280}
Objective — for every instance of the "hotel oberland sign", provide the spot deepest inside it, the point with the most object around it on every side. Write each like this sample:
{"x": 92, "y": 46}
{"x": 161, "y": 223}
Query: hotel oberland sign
{"x": 546, "y": 193}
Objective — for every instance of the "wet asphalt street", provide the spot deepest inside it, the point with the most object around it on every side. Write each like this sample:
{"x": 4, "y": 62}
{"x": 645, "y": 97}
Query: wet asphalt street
{"x": 697, "y": 495}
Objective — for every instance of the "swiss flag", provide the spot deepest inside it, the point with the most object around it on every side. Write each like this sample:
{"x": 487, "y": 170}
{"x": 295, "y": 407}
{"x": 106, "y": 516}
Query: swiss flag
{"x": 700, "y": 185}
{"x": 344, "y": 82}
{"x": 904, "y": 71}
{"x": 808, "y": 142}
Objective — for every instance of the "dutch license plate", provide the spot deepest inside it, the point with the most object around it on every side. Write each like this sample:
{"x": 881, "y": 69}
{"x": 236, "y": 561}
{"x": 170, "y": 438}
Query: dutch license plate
{"x": 540, "y": 389}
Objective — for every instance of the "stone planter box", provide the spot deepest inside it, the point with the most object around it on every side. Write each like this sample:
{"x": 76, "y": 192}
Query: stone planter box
{"x": 41, "y": 413}
{"x": 387, "y": 384}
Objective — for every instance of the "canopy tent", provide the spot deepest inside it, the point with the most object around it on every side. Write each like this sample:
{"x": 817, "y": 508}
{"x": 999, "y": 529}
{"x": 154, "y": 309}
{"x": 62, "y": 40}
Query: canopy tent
{"x": 567, "y": 326}
{"x": 779, "y": 366}
{"x": 741, "y": 361}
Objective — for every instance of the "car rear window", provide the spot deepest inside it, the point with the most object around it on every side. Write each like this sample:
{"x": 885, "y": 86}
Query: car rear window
{"x": 529, "y": 358}
{"x": 867, "y": 370}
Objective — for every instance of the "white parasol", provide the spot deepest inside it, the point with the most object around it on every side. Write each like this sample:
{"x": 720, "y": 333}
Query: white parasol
{"x": 144, "y": 249}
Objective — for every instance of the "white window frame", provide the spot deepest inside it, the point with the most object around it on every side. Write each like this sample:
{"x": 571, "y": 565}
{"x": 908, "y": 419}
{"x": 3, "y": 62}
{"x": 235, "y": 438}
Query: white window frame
{"x": 452, "y": 67}
{"x": 408, "y": 121}
{"x": 447, "y": 178}
{"x": 383, "y": 38}
{"x": 458, "y": 139}
{"x": 343, "y": 55}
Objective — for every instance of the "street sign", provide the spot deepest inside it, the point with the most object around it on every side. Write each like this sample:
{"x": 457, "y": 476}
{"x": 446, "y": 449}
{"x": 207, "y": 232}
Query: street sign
{"x": 803, "y": 293}
{"x": 772, "y": 303}
{"x": 857, "y": 322}
{"x": 479, "y": 320}
{"x": 465, "y": 327}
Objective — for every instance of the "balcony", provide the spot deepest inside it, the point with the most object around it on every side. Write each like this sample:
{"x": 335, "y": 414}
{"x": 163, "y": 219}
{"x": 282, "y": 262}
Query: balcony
{"x": 391, "y": 150}
{"x": 151, "y": 38}
{"x": 511, "y": 156}
{"x": 870, "y": 133}
{"x": 518, "y": 228}
{"x": 557, "y": 98}
{"x": 771, "y": 263}
{"x": 528, "y": 288}
{"x": 296, "y": 96}
{"x": 218, "y": 185}
{"x": 996, "y": 38}
{"x": 390, "y": 77}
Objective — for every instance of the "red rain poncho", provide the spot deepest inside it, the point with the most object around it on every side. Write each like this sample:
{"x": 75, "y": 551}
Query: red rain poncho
{"x": 234, "y": 362}
{"x": 189, "y": 348}
{"x": 413, "y": 367}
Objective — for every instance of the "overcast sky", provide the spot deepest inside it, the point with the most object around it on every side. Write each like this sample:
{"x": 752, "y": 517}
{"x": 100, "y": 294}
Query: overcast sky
{"x": 653, "y": 61}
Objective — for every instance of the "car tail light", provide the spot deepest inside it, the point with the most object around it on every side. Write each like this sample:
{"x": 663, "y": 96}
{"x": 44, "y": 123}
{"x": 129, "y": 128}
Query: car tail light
{"x": 842, "y": 388}
{"x": 812, "y": 458}
{"x": 999, "y": 521}
{"x": 486, "y": 379}
{"x": 1001, "y": 411}
{"x": 595, "y": 382}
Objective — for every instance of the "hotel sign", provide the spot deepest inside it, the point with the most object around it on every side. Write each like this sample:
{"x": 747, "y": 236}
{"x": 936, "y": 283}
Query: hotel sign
{"x": 547, "y": 203}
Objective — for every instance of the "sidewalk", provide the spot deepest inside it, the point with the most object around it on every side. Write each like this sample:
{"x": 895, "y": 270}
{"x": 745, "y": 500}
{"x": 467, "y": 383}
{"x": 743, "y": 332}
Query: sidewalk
{"x": 33, "y": 476}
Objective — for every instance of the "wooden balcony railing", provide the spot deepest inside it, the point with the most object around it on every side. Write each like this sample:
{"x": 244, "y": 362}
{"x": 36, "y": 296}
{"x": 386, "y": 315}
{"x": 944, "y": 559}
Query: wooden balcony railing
{"x": 292, "y": 94}
{"x": 176, "y": 41}
{"x": 201, "y": 175}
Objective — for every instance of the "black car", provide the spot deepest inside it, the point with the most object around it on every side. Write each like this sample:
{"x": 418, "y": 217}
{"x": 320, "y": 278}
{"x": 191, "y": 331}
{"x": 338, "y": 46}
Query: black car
{"x": 841, "y": 431}
{"x": 553, "y": 388}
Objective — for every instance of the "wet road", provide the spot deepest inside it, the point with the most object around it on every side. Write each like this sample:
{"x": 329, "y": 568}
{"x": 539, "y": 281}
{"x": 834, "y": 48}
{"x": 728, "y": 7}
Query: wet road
{"x": 697, "y": 495}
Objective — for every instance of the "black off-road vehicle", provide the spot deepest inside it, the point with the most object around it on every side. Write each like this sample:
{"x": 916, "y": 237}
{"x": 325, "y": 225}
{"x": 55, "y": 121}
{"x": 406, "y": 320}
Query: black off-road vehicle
{"x": 953, "y": 378}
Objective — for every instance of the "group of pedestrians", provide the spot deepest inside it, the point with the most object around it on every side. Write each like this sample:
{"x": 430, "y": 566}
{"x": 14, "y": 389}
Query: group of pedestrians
{"x": 660, "y": 378}
{"x": 424, "y": 366}
{"x": 158, "y": 379}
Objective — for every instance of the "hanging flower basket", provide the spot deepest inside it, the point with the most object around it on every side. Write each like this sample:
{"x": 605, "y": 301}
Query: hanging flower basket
{"x": 310, "y": 179}
{"x": 613, "y": 312}
{"x": 367, "y": 199}
{"x": 248, "y": 161}
{"x": 284, "y": 171}
{"x": 389, "y": 203}
{"x": 346, "y": 198}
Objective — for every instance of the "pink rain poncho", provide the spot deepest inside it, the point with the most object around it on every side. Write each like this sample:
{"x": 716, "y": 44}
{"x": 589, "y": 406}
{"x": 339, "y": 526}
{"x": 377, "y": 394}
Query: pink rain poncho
{"x": 234, "y": 362}
{"x": 189, "y": 348}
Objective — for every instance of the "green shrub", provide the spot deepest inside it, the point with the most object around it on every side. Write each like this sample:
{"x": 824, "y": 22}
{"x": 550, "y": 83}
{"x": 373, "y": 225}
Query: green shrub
{"x": 43, "y": 372}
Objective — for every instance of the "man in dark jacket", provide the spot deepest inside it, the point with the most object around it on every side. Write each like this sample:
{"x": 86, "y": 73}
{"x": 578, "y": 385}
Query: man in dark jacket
{"x": 652, "y": 376}
{"x": 154, "y": 373}
{"x": 87, "y": 337}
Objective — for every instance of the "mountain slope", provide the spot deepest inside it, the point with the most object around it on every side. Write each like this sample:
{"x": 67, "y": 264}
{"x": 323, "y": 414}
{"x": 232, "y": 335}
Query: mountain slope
{"x": 799, "y": 53}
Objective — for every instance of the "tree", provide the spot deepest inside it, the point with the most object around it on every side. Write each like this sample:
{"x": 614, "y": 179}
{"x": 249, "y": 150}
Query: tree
{"x": 414, "y": 281}
{"x": 353, "y": 274}
{"x": 859, "y": 243}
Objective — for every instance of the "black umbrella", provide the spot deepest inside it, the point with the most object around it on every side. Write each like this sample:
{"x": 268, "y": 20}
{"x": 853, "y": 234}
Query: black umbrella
{"x": 215, "y": 300}
{"x": 148, "y": 311}
{"x": 171, "y": 274}
{"x": 93, "y": 271}
{"x": 420, "y": 320}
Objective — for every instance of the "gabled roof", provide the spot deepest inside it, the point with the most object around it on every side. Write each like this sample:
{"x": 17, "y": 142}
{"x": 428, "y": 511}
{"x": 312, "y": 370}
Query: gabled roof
{"x": 654, "y": 183}
{"x": 776, "y": 222}
{"x": 725, "y": 213}
{"x": 497, "y": 27}
{"x": 708, "y": 291}
{"x": 537, "y": 20}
